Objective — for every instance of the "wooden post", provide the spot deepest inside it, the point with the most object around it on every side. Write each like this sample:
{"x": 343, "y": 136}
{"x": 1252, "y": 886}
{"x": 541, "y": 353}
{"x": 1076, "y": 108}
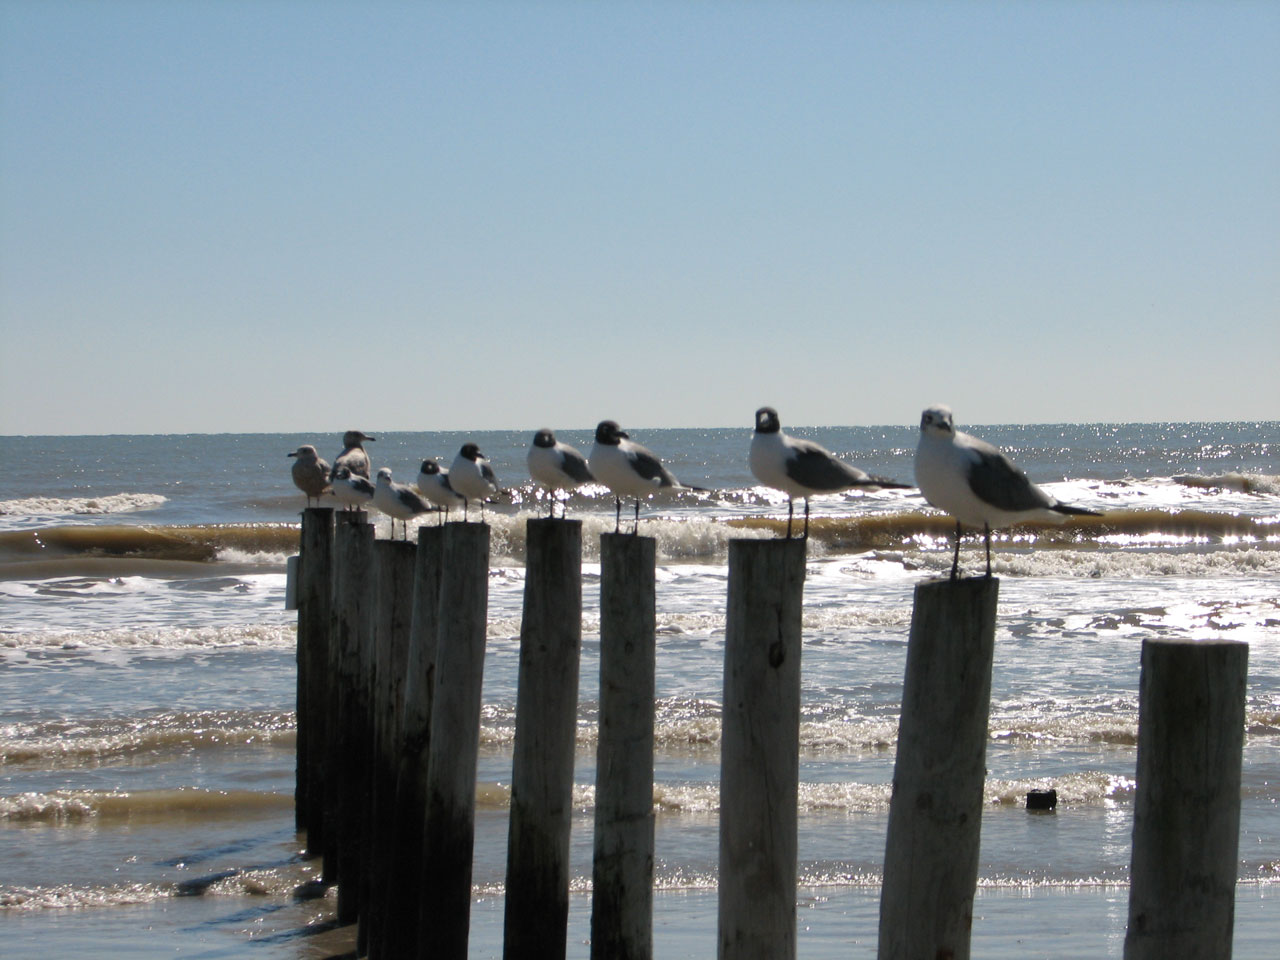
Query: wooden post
{"x": 1186, "y": 823}
{"x": 314, "y": 610}
{"x": 353, "y": 602}
{"x": 405, "y": 935}
{"x": 935, "y": 814}
{"x": 760, "y": 750}
{"x": 537, "y": 900}
{"x": 394, "y": 562}
{"x": 622, "y": 869}
{"x": 455, "y": 738}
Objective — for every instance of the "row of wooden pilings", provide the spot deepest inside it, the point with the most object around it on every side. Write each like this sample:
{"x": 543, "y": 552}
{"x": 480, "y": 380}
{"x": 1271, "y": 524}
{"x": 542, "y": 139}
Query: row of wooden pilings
{"x": 391, "y": 640}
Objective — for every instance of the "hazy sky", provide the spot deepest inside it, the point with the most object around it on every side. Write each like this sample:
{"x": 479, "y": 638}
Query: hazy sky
{"x": 262, "y": 216}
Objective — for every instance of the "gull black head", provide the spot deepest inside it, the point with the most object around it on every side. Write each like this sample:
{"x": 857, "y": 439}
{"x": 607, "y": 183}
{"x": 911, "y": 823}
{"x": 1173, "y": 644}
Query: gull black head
{"x": 471, "y": 452}
{"x": 353, "y": 438}
{"x": 430, "y": 467}
{"x": 609, "y": 433}
{"x": 304, "y": 452}
{"x": 343, "y": 474}
{"x": 544, "y": 438}
{"x": 936, "y": 419}
{"x": 767, "y": 420}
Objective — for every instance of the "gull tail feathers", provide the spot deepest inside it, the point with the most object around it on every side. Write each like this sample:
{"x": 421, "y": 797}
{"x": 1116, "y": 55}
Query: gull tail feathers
{"x": 1075, "y": 511}
{"x": 884, "y": 483}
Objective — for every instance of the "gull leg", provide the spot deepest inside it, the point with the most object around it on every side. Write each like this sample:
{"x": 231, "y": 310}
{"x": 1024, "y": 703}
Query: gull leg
{"x": 791, "y": 509}
{"x": 986, "y": 528}
{"x": 617, "y": 514}
{"x": 635, "y": 527}
{"x": 955, "y": 559}
{"x": 806, "y": 518}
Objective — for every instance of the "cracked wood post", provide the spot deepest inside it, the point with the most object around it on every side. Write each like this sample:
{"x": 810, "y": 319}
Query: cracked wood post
{"x": 314, "y": 612}
{"x": 406, "y": 937}
{"x": 1186, "y": 822}
{"x": 351, "y": 638}
{"x": 935, "y": 814}
{"x": 537, "y": 900}
{"x": 455, "y": 738}
{"x": 622, "y": 865}
{"x": 760, "y": 750}
{"x": 394, "y": 561}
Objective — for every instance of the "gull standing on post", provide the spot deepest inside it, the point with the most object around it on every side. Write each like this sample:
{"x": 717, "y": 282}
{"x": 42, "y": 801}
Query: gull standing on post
{"x": 310, "y": 473}
{"x": 353, "y": 490}
{"x": 628, "y": 469}
{"x": 353, "y": 456}
{"x": 399, "y": 501}
{"x": 977, "y": 484}
{"x": 802, "y": 468}
{"x": 556, "y": 465}
{"x": 472, "y": 477}
{"x": 433, "y": 483}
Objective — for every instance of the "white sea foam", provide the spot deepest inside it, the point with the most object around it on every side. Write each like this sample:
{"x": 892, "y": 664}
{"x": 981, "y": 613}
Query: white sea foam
{"x": 152, "y": 638}
{"x": 80, "y": 506}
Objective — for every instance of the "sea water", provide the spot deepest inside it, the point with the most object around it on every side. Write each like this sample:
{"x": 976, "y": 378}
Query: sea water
{"x": 147, "y": 681}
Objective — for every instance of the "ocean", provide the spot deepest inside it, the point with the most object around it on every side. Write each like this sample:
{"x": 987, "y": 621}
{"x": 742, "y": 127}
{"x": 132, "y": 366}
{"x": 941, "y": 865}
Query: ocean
{"x": 147, "y": 682}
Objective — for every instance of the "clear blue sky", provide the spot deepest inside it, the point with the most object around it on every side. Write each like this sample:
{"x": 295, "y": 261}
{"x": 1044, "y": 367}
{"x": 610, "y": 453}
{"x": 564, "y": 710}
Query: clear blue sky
{"x": 261, "y": 216}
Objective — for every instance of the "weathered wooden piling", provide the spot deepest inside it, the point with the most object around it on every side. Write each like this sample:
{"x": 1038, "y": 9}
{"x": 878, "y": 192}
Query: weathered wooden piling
{"x": 759, "y": 750}
{"x": 455, "y": 738}
{"x": 1186, "y": 825}
{"x": 537, "y": 898}
{"x": 405, "y": 937}
{"x": 347, "y": 768}
{"x": 622, "y": 869}
{"x": 314, "y": 611}
{"x": 394, "y": 563}
{"x": 935, "y": 814}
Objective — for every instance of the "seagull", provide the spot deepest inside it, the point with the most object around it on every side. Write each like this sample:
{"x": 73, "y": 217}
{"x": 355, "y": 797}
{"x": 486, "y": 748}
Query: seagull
{"x": 433, "y": 483}
{"x": 399, "y": 501}
{"x": 802, "y": 468}
{"x": 352, "y": 489}
{"x": 628, "y": 469}
{"x": 310, "y": 473}
{"x": 472, "y": 477}
{"x": 353, "y": 456}
{"x": 556, "y": 465}
{"x": 977, "y": 484}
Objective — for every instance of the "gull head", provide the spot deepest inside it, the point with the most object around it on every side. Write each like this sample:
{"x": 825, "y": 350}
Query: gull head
{"x": 936, "y": 421}
{"x": 429, "y": 467}
{"x": 609, "y": 433}
{"x": 767, "y": 420}
{"x": 544, "y": 438}
{"x": 353, "y": 438}
{"x": 471, "y": 452}
{"x": 304, "y": 452}
{"x": 384, "y": 477}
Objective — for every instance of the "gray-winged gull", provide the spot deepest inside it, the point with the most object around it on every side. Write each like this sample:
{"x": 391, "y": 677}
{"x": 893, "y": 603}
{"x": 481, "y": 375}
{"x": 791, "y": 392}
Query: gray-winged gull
{"x": 556, "y": 465}
{"x": 977, "y": 484}
{"x": 802, "y": 468}
{"x": 472, "y": 477}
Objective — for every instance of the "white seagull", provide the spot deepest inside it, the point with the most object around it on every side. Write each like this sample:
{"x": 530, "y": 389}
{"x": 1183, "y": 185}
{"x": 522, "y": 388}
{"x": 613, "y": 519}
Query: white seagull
{"x": 310, "y": 473}
{"x": 977, "y": 484}
{"x": 399, "y": 501}
{"x": 628, "y": 469}
{"x": 353, "y": 456}
{"x": 472, "y": 477}
{"x": 353, "y": 490}
{"x": 433, "y": 483}
{"x": 556, "y": 465}
{"x": 802, "y": 468}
